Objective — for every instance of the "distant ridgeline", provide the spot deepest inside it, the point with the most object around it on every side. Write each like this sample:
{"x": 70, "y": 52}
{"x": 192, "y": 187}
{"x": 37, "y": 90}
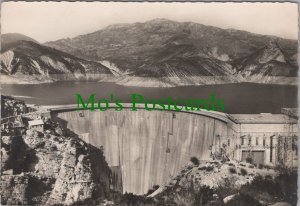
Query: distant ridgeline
{"x": 211, "y": 104}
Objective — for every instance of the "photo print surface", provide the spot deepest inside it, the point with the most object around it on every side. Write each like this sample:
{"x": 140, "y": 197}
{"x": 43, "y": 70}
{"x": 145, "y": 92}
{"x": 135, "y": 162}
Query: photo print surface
{"x": 149, "y": 104}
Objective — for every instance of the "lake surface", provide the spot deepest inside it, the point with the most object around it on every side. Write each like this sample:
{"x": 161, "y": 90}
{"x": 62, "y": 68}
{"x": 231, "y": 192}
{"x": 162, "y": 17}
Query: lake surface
{"x": 243, "y": 98}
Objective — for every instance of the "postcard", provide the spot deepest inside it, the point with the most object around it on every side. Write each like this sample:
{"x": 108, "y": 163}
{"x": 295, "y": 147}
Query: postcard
{"x": 149, "y": 103}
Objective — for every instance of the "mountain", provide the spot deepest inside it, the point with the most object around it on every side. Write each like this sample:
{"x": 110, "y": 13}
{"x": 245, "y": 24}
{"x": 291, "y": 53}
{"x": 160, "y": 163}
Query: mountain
{"x": 24, "y": 59}
{"x": 156, "y": 53}
{"x": 184, "y": 52}
{"x": 12, "y": 39}
{"x": 270, "y": 60}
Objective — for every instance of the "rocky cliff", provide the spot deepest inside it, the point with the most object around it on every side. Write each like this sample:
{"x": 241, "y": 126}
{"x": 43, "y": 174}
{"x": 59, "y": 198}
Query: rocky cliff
{"x": 12, "y": 107}
{"x": 47, "y": 168}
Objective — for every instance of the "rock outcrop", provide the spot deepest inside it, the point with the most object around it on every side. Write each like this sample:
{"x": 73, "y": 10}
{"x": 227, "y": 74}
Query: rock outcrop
{"x": 47, "y": 168}
{"x": 11, "y": 106}
{"x": 218, "y": 183}
{"x": 214, "y": 175}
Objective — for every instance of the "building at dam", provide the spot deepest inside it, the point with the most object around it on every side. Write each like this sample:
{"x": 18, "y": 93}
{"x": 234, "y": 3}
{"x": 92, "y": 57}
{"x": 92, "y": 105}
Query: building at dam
{"x": 267, "y": 139}
{"x": 146, "y": 148}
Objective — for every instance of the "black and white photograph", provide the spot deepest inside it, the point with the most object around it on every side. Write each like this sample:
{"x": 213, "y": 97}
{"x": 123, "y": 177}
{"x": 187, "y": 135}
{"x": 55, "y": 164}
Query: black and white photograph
{"x": 149, "y": 103}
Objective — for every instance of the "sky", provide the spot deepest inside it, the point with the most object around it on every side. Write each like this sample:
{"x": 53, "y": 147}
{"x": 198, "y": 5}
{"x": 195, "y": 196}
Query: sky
{"x": 48, "y": 21}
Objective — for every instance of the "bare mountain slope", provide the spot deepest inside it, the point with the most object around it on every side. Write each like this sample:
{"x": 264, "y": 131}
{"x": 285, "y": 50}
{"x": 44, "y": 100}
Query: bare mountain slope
{"x": 269, "y": 61}
{"x": 156, "y": 53}
{"x": 12, "y": 39}
{"x": 27, "y": 59}
{"x": 160, "y": 48}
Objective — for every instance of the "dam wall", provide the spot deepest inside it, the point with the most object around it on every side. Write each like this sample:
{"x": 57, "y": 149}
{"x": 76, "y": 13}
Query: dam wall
{"x": 145, "y": 148}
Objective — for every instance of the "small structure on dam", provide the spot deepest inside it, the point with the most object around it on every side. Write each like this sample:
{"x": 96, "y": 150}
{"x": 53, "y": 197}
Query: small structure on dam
{"x": 263, "y": 139}
{"x": 147, "y": 148}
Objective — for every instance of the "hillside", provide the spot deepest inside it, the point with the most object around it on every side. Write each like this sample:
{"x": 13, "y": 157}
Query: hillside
{"x": 13, "y": 39}
{"x": 24, "y": 59}
{"x": 162, "y": 48}
{"x": 156, "y": 53}
{"x": 229, "y": 183}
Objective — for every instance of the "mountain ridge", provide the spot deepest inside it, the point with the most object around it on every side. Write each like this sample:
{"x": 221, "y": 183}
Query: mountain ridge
{"x": 12, "y": 39}
{"x": 32, "y": 61}
{"x": 169, "y": 53}
{"x": 131, "y": 46}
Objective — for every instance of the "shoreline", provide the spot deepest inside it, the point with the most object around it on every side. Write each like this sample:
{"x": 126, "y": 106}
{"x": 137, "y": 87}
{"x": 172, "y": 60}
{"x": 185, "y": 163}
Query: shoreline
{"x": 291, "y": 81}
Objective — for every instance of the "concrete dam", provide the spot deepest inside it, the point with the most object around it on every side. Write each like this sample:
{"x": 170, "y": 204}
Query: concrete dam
{"x": 145, "y": 148}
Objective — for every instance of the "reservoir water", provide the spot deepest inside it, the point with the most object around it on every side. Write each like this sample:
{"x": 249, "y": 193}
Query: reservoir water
{"x": 244, "y": 98}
